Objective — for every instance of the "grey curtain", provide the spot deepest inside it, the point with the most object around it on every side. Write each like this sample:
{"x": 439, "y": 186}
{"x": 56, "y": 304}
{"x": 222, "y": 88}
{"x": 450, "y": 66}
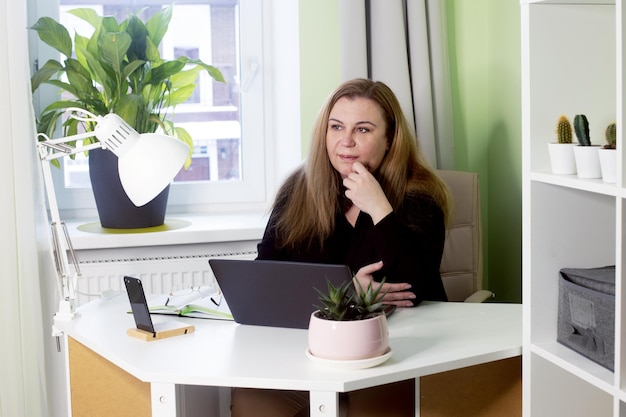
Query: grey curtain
{"x": 404, "y": 44}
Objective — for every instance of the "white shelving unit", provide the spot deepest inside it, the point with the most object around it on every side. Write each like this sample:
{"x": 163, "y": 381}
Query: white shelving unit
{"x": 572, "y": 63}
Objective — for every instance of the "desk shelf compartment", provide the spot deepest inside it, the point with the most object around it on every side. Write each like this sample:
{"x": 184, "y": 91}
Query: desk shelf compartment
{"x": 568, "y": 395}
{"x": 570, "y": 229}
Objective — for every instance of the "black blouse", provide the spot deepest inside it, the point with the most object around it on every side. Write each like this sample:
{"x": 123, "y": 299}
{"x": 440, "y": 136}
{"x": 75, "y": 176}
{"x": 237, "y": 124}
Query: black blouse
{"x": 409, "y": 241}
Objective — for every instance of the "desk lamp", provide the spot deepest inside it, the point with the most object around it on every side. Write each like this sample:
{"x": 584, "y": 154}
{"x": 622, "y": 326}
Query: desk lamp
{"x": 147, "y": 164}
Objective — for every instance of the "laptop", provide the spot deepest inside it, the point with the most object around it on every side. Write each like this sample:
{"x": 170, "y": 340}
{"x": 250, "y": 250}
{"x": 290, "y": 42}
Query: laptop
{"x": 274, "y": 293}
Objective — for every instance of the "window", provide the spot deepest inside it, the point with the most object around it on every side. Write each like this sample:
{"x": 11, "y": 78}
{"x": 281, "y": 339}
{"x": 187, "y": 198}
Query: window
{"x": 227, "y": 121}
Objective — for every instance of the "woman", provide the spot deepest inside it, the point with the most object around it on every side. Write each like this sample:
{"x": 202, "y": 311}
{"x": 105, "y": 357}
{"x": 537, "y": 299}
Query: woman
{"x": 365, "y": 197}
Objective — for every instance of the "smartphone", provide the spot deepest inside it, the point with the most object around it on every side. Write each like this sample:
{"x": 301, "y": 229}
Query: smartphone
{"x": 138, "y": 304}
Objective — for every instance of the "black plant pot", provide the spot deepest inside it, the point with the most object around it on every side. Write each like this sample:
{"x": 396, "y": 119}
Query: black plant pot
{"x": 115, "y": 209}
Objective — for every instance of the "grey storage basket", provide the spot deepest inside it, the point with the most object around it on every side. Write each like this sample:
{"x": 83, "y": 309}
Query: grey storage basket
{"x": 586, "y": 317}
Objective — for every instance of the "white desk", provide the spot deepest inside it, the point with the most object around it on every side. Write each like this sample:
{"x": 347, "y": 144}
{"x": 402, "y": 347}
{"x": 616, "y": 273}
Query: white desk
{"x": 429, "y": 339}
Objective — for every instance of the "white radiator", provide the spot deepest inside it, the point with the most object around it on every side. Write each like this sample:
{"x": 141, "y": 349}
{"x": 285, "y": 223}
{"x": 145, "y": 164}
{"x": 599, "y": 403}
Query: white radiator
{"x": 160, "y": 274}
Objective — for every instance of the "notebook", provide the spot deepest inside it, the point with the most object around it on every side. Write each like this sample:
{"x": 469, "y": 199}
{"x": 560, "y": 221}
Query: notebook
{"x": 274, "y": 293}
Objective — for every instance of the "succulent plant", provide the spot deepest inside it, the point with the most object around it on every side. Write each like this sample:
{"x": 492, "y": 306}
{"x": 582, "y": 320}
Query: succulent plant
{"x": 564, "y": 130}
{"x": 342, "y": 303}
{"x": 581, "y": 127}
{"x": 611, "y": 134}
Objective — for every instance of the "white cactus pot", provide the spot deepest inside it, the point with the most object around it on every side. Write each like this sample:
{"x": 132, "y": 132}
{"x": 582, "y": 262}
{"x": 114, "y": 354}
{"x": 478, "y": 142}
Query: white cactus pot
{"x": 562, "y": 158}
{"x": 608, "y": 160}
{"x": 587, "y": 161}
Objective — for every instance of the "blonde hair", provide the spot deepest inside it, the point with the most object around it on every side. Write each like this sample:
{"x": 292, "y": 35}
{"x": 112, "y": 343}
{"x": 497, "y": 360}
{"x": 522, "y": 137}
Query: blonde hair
{"x": 312, "y": 196}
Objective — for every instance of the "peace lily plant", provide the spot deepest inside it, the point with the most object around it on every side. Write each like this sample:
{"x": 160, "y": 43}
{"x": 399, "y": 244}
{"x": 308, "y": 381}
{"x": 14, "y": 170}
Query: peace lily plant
{"x": 118, "y": 69}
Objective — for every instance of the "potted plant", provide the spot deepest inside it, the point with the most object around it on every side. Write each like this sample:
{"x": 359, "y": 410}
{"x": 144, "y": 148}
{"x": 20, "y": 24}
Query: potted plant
{"x": 117, "y": 70}
{"x": 608, "y": 154}
{"x": 561, "y": 152}
{"x": 349, "y": 325}
{"x": 586, "y": 154}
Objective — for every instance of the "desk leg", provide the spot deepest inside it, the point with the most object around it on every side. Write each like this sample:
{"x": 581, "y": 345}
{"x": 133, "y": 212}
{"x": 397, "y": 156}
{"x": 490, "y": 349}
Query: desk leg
{"x": 163, "y": 398}
{"x": 417, "y": 397}
{"x": 324, "y": 404}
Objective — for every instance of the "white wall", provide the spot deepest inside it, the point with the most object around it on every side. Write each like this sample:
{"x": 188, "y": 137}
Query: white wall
{"x": 26, "y": 319}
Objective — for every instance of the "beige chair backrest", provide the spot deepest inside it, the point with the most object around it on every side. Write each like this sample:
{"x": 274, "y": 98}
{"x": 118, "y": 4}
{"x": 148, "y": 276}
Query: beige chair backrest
{"x": 462, "y": 262}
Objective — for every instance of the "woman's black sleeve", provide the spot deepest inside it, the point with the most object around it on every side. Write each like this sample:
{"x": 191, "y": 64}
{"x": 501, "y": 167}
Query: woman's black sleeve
{"x": 267, "y": 248}
{"x": 410, "y": 244}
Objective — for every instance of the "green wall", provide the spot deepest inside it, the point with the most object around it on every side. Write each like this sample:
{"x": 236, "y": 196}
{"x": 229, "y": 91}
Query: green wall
{"x": 485, "y": 61}
{"x": 484, "y": 47}
{"x": 319, "y": 59}
{"x": 505, "y": 149}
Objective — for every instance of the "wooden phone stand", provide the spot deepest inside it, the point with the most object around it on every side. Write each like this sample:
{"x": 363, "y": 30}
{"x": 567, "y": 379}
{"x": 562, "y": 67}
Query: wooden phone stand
{"x": 162, "y": 330}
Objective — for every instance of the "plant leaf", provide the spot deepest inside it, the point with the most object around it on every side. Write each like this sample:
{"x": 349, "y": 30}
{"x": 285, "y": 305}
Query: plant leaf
{"x": 54, "y": 34}
{"x": 113, "y": 47}
{"x": 82, "y": 85}
{"x": 138, "y": 34}
{"x": 215, "y": 73}
{"x": 98, "y": 71}
{"x": 182, "y": 134}
{"x": 179, "y": 95}
{"x": 47, "y": 71}
{"x": 152, "y": 52}
{"x": 60, "y": 105}
{"x": 64, "y": 86}
{"x": 131, "y": 67}
{"x": 185, "y": 77}
{"x": 109, "y": 24}
{"x": 80, "y": 45}
{"x": 88, "y": 15}
{"x": 164, "y": 71}
{"x": 157, "y": 25}
{"x": 47, "y": 122}
{"x": 131, "y": 108}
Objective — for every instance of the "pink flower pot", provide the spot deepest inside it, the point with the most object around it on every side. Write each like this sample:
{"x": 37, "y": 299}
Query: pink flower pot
{"x": 348, "y": 340}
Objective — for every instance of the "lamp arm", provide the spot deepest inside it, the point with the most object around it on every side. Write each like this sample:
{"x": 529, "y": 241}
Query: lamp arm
{"x": 67, "y": 276}
{"x": 50, "y": 149}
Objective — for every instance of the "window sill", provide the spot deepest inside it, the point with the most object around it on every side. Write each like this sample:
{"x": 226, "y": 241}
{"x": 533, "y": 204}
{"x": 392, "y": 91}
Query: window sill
{"x": 183, "y": 229}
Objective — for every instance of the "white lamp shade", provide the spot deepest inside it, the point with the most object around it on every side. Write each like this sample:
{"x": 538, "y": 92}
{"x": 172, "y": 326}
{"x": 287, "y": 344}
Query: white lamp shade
{"x": 150, "y": 165}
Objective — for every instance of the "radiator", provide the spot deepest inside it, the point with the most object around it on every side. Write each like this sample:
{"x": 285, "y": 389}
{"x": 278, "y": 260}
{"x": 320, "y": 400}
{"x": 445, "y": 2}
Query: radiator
{"x": 159, "y": 274}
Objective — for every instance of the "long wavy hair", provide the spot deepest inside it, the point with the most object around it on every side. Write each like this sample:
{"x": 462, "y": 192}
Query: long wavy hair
{"x": 313, "y": 195}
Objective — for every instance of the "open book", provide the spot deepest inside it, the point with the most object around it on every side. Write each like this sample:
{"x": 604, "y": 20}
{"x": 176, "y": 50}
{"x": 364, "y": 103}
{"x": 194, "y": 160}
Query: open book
{"x": 197, "y": 302}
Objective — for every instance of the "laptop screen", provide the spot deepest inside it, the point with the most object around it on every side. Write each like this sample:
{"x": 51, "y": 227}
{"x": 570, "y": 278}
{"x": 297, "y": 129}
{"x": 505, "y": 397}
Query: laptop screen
{"x": 274, "y": 293}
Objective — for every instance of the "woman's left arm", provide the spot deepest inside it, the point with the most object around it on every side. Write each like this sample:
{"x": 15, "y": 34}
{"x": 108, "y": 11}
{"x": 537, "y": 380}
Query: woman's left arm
{"x": 410, "y": 242}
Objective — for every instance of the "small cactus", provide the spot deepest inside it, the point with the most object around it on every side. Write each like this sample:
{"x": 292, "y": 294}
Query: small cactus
{"x": 581, "y": 127}
{"x": 610, "y": 133}
{"x": 564, "y": 130}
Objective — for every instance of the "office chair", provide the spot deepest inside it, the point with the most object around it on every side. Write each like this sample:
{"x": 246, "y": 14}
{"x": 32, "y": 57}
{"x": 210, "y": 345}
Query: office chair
{"x": 462, "y": 261}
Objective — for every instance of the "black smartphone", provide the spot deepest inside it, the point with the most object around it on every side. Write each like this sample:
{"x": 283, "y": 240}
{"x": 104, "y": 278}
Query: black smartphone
{"x": 138, "y": 304}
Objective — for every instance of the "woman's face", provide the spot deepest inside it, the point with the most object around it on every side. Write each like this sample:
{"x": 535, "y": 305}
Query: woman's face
{"x": 356, "y": 131}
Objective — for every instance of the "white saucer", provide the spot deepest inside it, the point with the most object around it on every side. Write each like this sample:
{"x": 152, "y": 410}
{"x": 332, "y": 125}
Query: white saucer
{"x": 352, "y": 364}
